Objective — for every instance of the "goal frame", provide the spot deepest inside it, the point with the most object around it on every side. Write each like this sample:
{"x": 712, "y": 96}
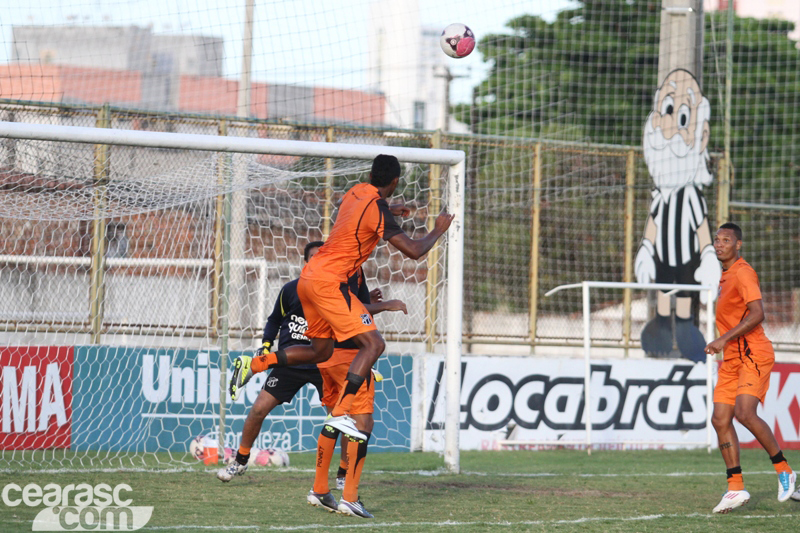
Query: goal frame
{"x": 670, "y": 288}
{"x": 454, "y": 159}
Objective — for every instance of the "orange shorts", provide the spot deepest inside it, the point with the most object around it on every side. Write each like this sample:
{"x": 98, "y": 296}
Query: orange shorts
{"x": 742, "y": 376}
{"x": 332, "y": 310}
{"x": 334, "y": 379}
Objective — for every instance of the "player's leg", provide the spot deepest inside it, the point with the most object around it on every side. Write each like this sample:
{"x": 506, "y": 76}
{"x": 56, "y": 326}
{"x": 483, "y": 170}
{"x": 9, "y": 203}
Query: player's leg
{"x": 320, "y": 493}
{"x": 285, "y": 385}
{"x": 736, "y": 495}
{"x": 326, "y": 442}
{"x": 263, "y": 405}
{"x": 245, "y": 367}
{"x": 341, "y": 472}
{"x": 370, "y": 347}
{"x": 722, "y": 420}
{"x": 753, "y": 386}
{"x": 319, "y": 351}
{"x": 357, "y": 452}
{"x": 362, "y": 409}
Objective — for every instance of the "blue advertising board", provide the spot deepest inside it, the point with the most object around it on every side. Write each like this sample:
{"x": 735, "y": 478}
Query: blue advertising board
{"x": 151, "y": 399}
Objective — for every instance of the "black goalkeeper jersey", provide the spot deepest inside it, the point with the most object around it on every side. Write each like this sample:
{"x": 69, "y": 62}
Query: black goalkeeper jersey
{"x": 287, "y": 321}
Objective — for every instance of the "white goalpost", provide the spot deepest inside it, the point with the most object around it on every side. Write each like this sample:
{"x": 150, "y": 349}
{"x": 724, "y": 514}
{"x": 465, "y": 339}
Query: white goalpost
{"x": 670, "y": 288}
{"x": 170, "y": 145}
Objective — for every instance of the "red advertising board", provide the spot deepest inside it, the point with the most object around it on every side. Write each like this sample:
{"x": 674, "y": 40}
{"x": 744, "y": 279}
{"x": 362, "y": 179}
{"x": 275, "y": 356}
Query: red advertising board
{"x": 781, "y": 409}
{"x": 35, "y": 397}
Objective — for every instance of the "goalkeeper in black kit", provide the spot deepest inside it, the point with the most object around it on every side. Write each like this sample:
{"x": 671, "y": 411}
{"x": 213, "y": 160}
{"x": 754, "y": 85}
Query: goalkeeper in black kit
{"x": 282, "y": 384}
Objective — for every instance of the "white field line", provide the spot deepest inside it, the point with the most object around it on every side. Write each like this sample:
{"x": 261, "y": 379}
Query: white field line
{"x": 452, "y": 523}
{"x": 428, "y": 473}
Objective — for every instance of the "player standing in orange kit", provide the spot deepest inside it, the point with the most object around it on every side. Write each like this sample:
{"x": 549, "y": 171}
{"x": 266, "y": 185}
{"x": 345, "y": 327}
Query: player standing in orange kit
{"x": 743, "y": 377}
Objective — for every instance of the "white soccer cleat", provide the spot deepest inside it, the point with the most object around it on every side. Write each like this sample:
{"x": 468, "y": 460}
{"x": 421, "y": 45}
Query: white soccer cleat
{"x": 786, "y": 485}
{"x": 355, "y": 508}
{"x": 340, "y": 484}
{"x": 326, "y": 501}
{"x": 232, "y": 470}
{"x": 796, "y": 496}
{"x": 731, "y": 500}
{"x": 346, "y": 425}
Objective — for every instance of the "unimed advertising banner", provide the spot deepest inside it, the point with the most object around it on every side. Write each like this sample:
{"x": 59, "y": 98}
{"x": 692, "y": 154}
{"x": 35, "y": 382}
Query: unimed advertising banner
{"x": 141, "y": 399}
{"x": 542, "y": 399}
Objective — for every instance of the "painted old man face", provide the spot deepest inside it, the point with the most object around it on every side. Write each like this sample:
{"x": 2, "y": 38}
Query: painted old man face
{"x": 676, "y": 133}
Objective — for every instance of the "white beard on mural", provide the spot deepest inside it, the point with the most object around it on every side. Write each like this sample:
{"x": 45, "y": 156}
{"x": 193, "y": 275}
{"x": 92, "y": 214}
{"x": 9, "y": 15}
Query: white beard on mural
{"x": 673, "y": 163}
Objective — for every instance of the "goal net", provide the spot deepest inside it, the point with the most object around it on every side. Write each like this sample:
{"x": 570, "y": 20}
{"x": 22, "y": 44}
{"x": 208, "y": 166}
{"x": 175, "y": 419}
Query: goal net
{"x": 135, "y": 265}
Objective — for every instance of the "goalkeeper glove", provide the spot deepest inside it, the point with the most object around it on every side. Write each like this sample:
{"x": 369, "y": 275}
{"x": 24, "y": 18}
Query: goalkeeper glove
{"x": 264, "y": 349}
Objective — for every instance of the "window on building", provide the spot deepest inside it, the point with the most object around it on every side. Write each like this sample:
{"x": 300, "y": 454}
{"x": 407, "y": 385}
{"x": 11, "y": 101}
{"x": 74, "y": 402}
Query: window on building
{"x": 419, "y": 115}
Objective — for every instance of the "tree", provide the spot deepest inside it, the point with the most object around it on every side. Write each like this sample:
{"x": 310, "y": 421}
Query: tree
{"x": 589, "y": 75}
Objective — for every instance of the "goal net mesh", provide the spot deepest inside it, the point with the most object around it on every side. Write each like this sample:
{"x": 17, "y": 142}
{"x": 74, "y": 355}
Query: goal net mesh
{"x": 118, "y": 362}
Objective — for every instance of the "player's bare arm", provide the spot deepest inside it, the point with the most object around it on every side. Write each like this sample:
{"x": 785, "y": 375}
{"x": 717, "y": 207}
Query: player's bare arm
{"x": 399, "y": 209}
{"x": 388, "y": 305}
{"x": 754, "y": 317}
{"x": 416, "y": 248}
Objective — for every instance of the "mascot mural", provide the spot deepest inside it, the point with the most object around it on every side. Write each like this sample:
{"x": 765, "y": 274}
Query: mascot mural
{"x": 677, "y": 246}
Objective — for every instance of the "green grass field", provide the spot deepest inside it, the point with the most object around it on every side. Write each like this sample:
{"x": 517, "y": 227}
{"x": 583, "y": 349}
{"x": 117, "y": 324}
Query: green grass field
{"x": 498, "y": 491}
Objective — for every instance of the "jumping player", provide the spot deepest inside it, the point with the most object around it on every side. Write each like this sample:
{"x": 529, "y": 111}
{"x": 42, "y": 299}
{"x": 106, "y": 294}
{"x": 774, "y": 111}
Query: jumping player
{"x": 354, "y": 450}
{"x": 331, "y": 310}
{"x": 743, "y": 377}
{"x": 288, "y": 324}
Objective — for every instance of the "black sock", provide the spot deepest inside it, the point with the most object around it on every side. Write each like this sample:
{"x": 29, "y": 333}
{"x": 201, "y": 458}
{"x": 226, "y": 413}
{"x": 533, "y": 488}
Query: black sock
{"x": 354, "y": 382}
{"x": 242, "y": 459}
{"x": 342, "y": 472}
{"x": 778, "y": 458}
{"x": 734, "y": 470}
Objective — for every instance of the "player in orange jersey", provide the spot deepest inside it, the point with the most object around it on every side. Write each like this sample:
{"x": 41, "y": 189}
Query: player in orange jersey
{"x": 354, "y": 450}
{"x": 331, "y": 309}
{"x": 743, "y": 377}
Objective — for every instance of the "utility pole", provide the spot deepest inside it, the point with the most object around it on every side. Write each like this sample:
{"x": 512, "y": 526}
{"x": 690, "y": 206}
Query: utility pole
{"x": 243, "y": 98}
{"x": 681, "y": 38}
{"x": 444, "y": 116}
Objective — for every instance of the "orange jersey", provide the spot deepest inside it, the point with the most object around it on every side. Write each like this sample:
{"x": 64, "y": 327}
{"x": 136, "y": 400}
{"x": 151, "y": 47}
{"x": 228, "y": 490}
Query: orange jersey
{"x": 739, "y": 286}
{"x": 364, "y": 218}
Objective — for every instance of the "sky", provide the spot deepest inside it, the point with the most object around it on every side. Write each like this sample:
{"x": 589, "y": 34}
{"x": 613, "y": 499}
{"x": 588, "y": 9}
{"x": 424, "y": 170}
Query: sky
{"x": 293, "y": 41}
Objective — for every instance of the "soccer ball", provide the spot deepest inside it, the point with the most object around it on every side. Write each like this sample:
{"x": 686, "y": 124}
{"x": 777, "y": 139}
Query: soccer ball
{"x": 199, "y": 444}
{"x": 457, "y": 40}
{"x": 272, "y": 458}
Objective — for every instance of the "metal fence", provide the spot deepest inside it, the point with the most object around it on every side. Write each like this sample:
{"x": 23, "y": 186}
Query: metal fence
{"x": 539, "y": 213}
